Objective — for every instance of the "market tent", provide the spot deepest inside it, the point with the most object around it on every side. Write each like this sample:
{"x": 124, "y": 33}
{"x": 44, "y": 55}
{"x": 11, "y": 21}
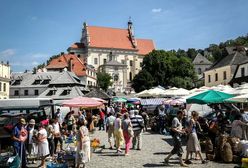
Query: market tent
{"x": 176, "y": 92}
{"x": 156, "y": 101}
{"x": 99, "y": 99}
{"x": 210, "y": 96}
{"x": 240, "y": 98}
{"x": 143, "y": 93}
{"x": 242, "y": 89}
{"x": 84, "y": 102}
{"x": 156, "y": 92}
{"x": 202, "y": 109}
{"x": 173, "y": 102}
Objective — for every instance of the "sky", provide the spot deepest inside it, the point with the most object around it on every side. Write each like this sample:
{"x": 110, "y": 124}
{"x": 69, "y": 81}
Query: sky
{"x": 31, "y": 31}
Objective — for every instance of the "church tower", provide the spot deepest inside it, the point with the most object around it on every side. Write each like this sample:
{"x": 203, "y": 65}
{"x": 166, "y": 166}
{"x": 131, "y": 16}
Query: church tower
{"x": 131, "y": 33}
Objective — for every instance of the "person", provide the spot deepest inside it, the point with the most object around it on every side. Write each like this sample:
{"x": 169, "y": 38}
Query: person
{"x": 126, "y": 125}
{"x": 123, "y": 109}
{"x": 118, "y": 133}
{"x": 137, "y": 123}
{"x": 110, "y": 128}
{"x": 19, "y": 136}
{"x": 193, "y": 144}
{"x": 43, "y": 147}
{"x": 89, "y": 118}
{"x": 70, "y": 121}
{"x": 236, "y": 130}
{"x": 31, "y": 138}
{"x": 244, "y": 127}
{"x": 81, "y": 116}
{"x": 50, "y": 137}
{"x": 59, "y": 116}
{"x": 83, "y": 144}
{"x": 145, "y": 118}
{"x": 57, "y": 135}
{"x": 177, "y": 131}
{"x": 101, "y": 120}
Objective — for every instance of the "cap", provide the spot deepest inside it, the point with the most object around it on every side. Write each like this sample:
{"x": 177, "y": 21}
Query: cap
{"x": 32, "y": 121}
{"x": 22, "y": 121}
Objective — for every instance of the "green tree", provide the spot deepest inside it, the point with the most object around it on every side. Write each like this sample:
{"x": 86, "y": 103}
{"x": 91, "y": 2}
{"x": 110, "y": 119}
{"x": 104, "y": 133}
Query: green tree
{"x": 104, "y": 80}
{"x": 143, "y": 80}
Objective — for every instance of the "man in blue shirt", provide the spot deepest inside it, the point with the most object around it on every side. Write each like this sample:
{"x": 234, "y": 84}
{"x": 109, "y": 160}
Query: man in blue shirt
{"x": 19, "y": 136}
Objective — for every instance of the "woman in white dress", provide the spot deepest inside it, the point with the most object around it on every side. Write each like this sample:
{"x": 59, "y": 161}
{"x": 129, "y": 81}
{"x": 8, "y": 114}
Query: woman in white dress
{"x": 83, "y": 144}
{"x": 43, "y": 147}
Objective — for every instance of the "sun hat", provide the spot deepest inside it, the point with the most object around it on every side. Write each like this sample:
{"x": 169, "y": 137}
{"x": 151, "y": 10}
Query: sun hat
{"x": 22, "y": 121}
{"x": 32, "y": 121}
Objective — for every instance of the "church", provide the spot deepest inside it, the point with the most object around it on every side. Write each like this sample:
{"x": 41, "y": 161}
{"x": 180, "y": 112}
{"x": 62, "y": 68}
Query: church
{"x": 115, "y": 51}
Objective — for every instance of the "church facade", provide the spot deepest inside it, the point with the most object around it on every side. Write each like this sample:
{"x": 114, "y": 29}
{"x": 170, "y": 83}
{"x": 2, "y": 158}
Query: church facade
{"x": 112, "y": 50}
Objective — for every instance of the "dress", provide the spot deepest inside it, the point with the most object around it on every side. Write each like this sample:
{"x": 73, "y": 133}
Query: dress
{"x": 43, "y": 147}
{"x": 83, "y": 155}
{"x": 193, "y": 144}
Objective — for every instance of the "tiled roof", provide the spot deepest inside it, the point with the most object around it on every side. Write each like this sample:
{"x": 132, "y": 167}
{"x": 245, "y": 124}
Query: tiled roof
{"x": 105, "y": 37}
{"x": 98, "y": 93}
{"x": 145, "y": 46}
{"x": 77, "y": 46}
{"x": 62, "y": 62}
{"x": 200, "y": 59}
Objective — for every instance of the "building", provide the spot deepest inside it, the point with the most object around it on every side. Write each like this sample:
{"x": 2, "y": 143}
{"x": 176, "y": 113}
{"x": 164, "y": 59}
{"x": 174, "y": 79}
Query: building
{"x": 223, "y": 70}
{"x": 73, "y": 63}
{"x": 201, "y": 64}
{"x": 4, "y": 80}
{"x": 56, "y": 85}
{"x": 113, "y": 50}
{"x": 241, "y": 74}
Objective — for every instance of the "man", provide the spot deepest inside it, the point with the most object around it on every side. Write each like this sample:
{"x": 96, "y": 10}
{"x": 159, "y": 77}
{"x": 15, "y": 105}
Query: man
{"x": 137, "y": 124}
{"x": 57, "y": 135}
{"x": 19, "y": 136}
{"x": 59, "y": 116}
{"x": 177, "y": 131}
{"x": 110, "y": 128}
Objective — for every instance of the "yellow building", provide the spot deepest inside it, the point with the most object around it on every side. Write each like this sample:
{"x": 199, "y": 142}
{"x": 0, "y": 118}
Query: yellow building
{"x": 223, "y": 70}
{"x": 4, "y": 80}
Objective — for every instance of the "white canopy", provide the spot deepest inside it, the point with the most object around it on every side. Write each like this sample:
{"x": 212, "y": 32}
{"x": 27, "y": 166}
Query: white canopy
{"x": 240, "y": 98}
{"x": 176, "y": 92}
{"x": 143, "y": 93}
{"x": 203, "y": 109}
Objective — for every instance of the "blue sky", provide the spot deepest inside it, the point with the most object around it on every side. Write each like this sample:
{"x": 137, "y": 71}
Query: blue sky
{"x": 31, "y": 31}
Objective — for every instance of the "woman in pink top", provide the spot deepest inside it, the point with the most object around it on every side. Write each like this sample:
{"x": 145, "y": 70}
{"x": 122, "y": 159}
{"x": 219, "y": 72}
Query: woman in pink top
{"x": 126, "y": 123}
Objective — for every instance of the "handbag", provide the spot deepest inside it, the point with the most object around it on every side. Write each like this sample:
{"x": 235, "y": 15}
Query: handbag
{"x": 130, "y": 131}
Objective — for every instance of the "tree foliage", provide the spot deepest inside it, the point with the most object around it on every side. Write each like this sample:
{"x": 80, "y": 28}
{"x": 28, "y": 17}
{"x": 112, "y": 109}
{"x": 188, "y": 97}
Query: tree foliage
{"x": 104, "y": 80}
{"x": 165, "y": 68}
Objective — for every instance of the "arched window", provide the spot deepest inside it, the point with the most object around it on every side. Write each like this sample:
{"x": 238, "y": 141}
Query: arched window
{"x": 199, "y": 71}
{"x": 130, "y": 76}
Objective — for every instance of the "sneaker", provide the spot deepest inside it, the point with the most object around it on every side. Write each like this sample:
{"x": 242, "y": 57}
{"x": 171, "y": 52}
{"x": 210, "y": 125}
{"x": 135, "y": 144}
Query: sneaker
{"x": 184, "y": 165}
{"x": 188, "y": 162}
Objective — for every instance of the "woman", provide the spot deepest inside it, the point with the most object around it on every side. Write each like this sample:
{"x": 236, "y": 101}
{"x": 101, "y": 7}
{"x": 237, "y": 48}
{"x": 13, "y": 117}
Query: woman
{"x": 193, "y": 144}
{"x": 50, "y": 137}
{"x": 237, "y": 124}
{"x": 31, "y": 138}
{"x": 118, "y": 133}
{"x": 83, "y": 144}
{"x": 43, "y": 147}
{"x": 127, "y": 127}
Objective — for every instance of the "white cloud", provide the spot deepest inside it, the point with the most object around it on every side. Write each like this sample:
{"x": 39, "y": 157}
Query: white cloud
{"x": 7, "y": 53}
{"x": 39, "y": 55}
{"x": 156, "y": 10}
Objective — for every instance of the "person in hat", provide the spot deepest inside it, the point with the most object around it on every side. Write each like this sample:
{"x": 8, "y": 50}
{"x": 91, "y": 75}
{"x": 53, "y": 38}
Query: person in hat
{"x": 43, "y": 147}
{"x": 31, "y": 147}
{"x": 19, "y": 136}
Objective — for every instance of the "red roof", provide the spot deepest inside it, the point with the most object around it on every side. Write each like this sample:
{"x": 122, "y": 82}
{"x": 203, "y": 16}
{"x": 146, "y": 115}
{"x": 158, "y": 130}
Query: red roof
{"x": 104, "y": 37}
{"x": 145, "y": 46}
{"x": 77, "y": 45}
{"x": 62, "y": 62}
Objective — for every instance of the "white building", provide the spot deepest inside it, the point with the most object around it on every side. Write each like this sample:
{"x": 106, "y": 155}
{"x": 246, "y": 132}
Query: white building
{"x": 4, "y": 80}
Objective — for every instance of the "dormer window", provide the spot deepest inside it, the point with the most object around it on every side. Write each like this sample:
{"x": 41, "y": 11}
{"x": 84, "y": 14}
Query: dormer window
{"x": 66, "y": 91}
{"x": 36, "y": 82}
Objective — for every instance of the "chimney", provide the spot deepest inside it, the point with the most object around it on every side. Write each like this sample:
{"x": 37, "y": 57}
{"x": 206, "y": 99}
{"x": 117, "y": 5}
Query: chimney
{"x": 62, "y": 53}
{"x": 70, "y": 65}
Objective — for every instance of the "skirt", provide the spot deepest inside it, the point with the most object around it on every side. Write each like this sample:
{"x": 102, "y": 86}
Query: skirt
{"x": 43, "y": 149}
{"x": 193, "y": 144}
{"x": 83, "y": 156}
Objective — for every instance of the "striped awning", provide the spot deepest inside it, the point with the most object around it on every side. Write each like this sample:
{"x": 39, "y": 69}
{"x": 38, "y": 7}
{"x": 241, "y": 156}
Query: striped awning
{"x": 156, "y": 101}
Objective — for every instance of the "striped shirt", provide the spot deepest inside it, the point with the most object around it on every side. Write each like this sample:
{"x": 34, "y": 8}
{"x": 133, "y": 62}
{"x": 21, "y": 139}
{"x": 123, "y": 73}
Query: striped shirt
{"x": 135, "y": 120}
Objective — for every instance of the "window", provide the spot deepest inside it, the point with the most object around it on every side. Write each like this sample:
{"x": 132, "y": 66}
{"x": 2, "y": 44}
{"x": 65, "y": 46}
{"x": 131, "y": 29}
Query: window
{"x": 16, "y": 93}
{"x": 36, "y": 92}
{"x": 26, "y": 92}
{"x": 0, "y": 86}
{"x": 242, "y": 72}
{"x": 36, "y": 82}
{"x": 199, "y": 71}
{"x": 209, "y": 78}
{"x": 123, "y": 61}
{"x": 95, "y": 61}
{"x": 104, "y": 60}
{"x": 224, "y": 75}
{"x": 4, "y": 87}
{"x": 216, "y": 77}
{"x": 131, "y": 63}
{"x": 130, "y": 76}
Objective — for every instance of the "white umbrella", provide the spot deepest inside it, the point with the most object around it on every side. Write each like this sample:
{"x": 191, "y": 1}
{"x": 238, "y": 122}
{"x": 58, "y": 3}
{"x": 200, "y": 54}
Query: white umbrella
{"x": 240, "y": 98}
{"x": 143, "y": 93}
{"x": 242, "y": 89}
{"x": 176, "y": 92}
{"x": 156, "y": 92}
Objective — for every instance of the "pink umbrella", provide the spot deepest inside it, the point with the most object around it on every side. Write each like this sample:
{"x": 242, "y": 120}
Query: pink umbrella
{"x": 99, "y": 99}
{"x": 173, "y": 102}
{"x": 84, "y": 102}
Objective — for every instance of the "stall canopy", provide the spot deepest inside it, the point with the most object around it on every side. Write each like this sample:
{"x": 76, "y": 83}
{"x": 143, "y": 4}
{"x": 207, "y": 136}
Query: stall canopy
{"x": 84, "y": 102}
{"x": 119, "y": 99}
{"x": 209, "y": 96}
{"x": 176, "y": 92}
{"x": 157, "y": 101}
{"x": 240, "y": 98}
